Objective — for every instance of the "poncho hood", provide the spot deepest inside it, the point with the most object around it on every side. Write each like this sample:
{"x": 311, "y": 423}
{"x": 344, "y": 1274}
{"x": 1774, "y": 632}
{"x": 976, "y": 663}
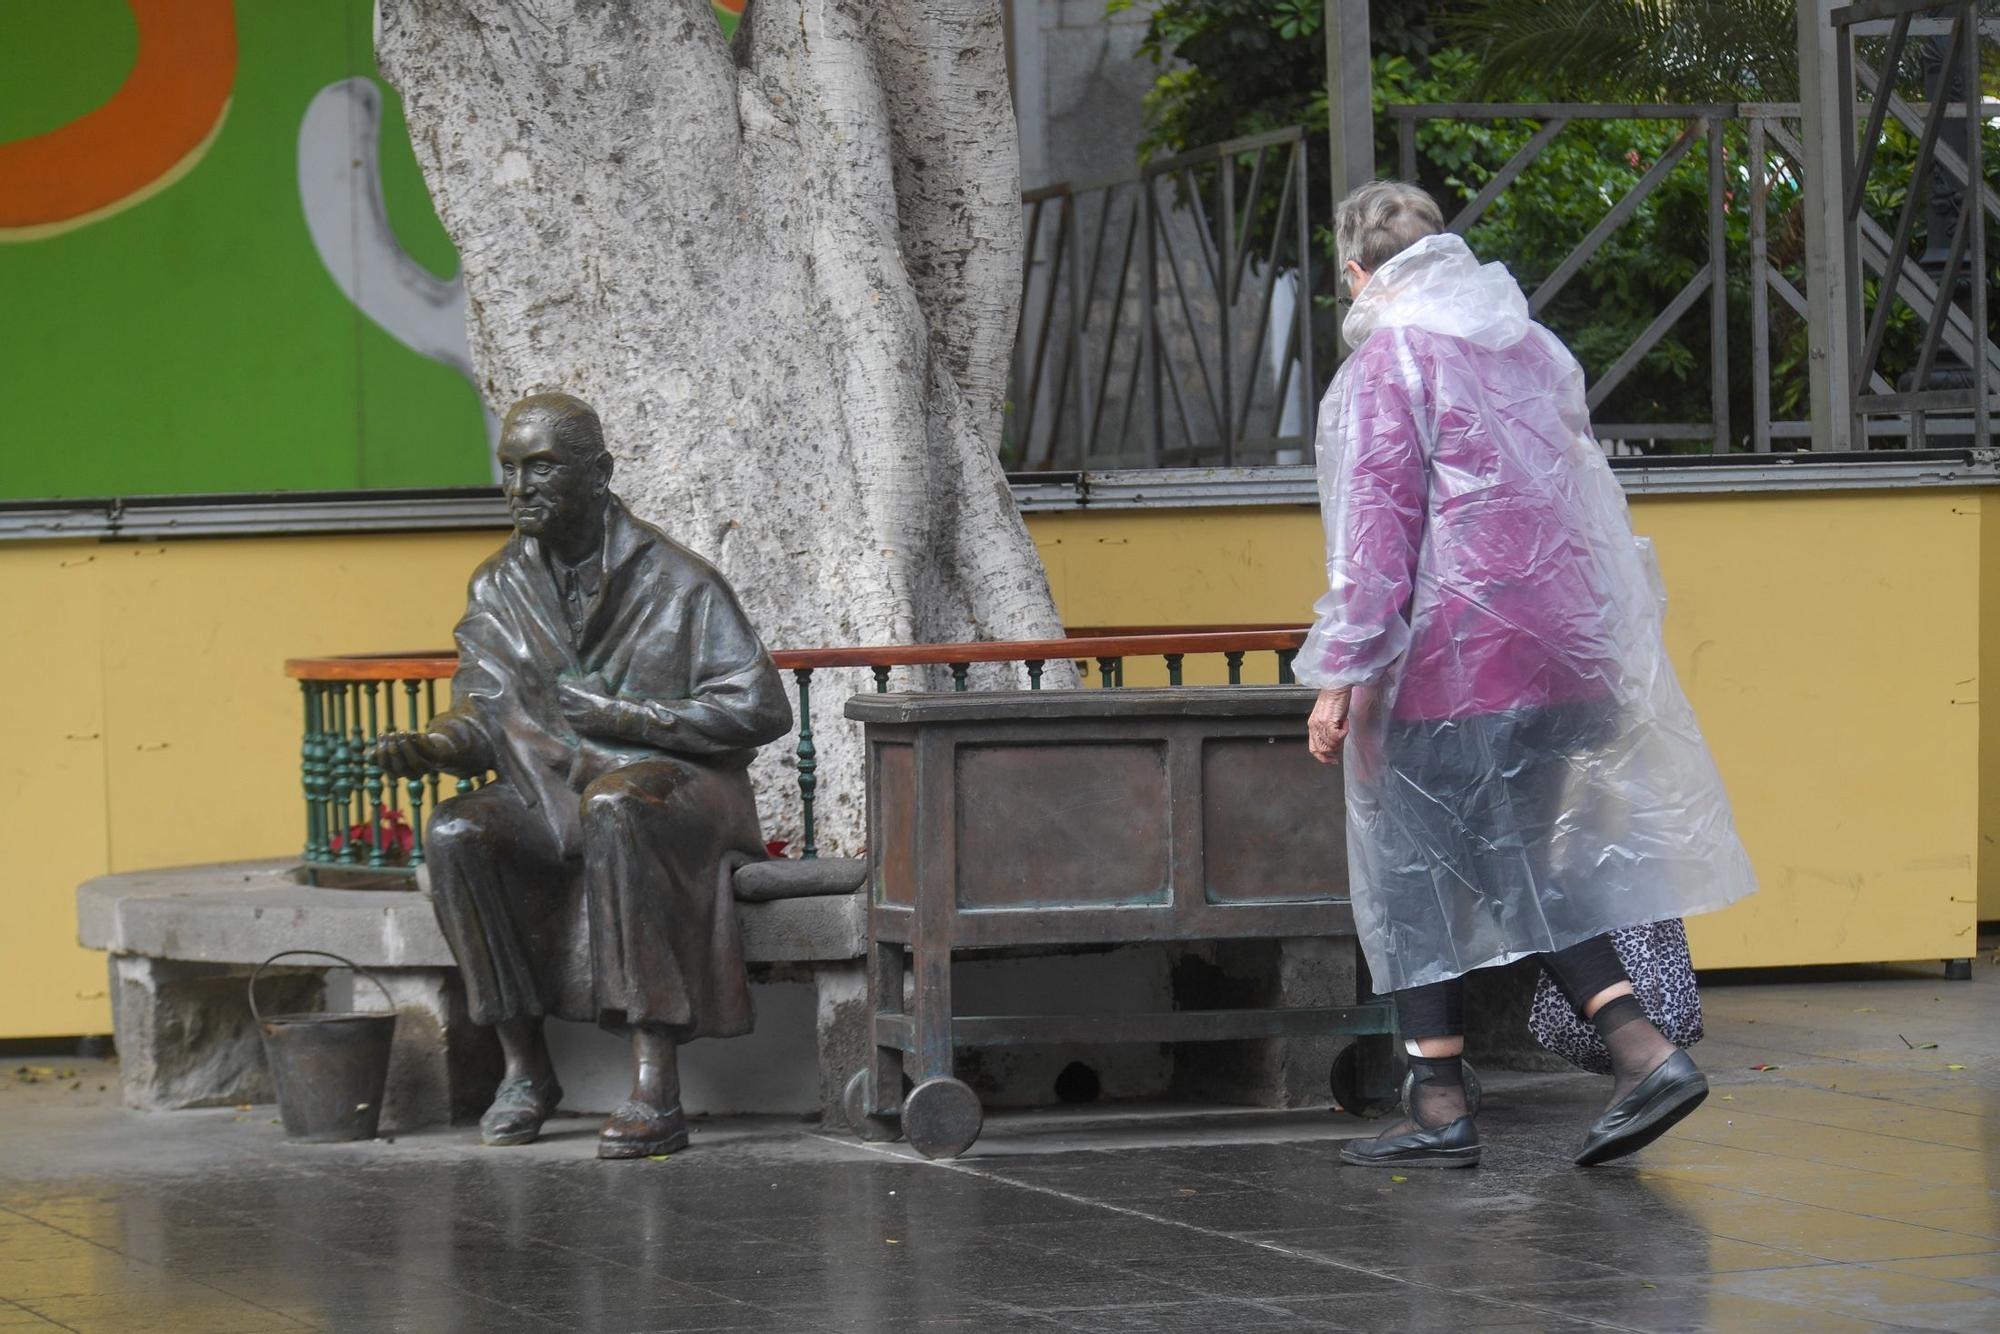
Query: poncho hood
{"x": 1438, "y": 285}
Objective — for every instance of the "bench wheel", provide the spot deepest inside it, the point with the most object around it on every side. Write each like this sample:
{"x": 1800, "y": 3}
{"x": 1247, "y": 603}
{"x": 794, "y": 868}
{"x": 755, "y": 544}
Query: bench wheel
{"x": 1351, "y": 1090}
{"x": 854, "y": 1102}
{"x": 942, "y": 1117}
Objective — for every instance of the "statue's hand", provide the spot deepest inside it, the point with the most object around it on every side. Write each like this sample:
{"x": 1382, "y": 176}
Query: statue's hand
{"x": 414, "y": 754}
{"x": 590, "y": 711}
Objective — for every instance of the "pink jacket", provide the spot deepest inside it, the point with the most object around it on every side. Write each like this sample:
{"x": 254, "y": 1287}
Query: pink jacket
{"x": 1477, "y": 544}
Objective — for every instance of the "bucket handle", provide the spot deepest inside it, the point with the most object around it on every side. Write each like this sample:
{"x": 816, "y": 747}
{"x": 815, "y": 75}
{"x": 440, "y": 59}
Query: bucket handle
{"x": 258, "y": 972}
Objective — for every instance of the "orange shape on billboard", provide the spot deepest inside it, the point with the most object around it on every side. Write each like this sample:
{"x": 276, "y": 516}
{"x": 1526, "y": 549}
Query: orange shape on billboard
{"x": 151, "y": 133}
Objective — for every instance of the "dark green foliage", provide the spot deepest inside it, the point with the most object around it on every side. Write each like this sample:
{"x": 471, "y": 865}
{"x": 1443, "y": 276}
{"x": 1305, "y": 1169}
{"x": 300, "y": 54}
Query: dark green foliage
{"x": 1235, "y": 67}
{"x": 1637, "y": 50}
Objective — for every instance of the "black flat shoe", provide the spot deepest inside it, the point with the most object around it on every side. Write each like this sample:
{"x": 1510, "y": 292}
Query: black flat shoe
{"x": 1650, "y": 1110}
{"x": 1455, "y": 1145}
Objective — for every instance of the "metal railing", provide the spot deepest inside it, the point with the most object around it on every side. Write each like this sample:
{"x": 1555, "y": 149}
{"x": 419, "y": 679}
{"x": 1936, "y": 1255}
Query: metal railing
{"x": 357, "y": 817}
{"x": 1700, "y": 124}
{"x": 1948, "y": 180}
{"x": 1152, "y": 303}
{"x": 358, "y": 820}
{"x": 1776, "y": 161}
{"x": 1166, "y": 315}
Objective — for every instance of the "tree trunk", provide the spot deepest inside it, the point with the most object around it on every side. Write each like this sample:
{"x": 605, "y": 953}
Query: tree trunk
{"x": 785, "y": 271}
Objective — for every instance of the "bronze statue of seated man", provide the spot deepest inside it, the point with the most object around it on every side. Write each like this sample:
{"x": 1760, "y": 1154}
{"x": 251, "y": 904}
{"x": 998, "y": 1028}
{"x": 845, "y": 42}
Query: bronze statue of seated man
{"x": 613, "y": 686}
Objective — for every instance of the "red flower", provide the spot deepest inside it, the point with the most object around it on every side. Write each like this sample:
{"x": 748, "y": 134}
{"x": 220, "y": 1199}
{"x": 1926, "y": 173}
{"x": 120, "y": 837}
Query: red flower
{"x": 397, "y": 837}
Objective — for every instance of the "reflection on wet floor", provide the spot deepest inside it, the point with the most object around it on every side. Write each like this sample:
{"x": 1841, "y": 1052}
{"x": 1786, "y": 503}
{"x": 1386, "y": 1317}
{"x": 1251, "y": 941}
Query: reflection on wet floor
{"x": 1851, "y": 1187}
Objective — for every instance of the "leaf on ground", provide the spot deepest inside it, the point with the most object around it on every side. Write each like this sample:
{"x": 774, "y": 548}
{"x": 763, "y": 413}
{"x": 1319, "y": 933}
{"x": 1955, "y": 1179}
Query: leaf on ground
{"x": 242, "y": 1106}
{"x": 1763, "y": 1067}
{"x": 1867, "y": 1009}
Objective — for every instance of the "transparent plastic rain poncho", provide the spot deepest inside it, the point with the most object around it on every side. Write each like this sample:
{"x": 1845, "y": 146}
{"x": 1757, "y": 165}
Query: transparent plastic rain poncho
{"x": 1523, "y": 771}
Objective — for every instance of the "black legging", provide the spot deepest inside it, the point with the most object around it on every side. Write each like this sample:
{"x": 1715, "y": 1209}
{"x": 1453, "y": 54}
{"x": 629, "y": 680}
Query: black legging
{"x": 1437, "y": 1009}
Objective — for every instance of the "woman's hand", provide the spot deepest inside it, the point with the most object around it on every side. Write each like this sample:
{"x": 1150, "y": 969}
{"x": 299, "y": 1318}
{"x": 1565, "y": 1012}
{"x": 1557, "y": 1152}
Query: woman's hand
{"x": 1326, "y": 730}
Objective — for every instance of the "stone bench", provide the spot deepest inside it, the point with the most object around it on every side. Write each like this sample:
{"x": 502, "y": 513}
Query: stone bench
{"x": 182, "y": 943}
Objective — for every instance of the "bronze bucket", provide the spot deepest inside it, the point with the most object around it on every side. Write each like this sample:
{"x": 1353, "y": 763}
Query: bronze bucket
{"x": 331, "y": 1069}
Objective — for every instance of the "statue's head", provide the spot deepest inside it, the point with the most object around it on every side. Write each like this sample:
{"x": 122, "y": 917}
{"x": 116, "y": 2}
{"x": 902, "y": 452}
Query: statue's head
{"x": 554, "y": 468}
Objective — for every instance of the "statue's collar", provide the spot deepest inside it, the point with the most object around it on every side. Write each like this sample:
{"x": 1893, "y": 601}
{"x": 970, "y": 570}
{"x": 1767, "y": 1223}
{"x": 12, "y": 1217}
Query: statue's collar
{"x": 624, "y": 539}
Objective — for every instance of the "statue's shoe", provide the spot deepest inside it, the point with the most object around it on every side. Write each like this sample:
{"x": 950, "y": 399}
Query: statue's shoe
{"x": 640, "y": 1130}
{"x": 518, "y": 1110}
{"x": 1653, "y": 1107}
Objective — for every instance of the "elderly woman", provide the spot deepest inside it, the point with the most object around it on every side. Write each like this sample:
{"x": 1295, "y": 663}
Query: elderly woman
{"x": 1524, "y": 774}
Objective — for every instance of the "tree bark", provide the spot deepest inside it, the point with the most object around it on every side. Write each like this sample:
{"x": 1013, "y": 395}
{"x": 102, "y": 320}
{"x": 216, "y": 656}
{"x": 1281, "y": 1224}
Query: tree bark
{"x": 786, "y": 274}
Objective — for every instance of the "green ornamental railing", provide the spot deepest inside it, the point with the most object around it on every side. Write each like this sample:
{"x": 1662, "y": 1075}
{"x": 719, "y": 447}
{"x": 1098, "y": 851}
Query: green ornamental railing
{"x": 358, "y": 820}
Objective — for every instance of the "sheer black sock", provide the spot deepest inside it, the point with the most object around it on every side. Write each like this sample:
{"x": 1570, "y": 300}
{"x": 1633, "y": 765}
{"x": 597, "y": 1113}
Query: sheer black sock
{"x": 1437, "y": 1094}
{"x": 1637, "y": 1048}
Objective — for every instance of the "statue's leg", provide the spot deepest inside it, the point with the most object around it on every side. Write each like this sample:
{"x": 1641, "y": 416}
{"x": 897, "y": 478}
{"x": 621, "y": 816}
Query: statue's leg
{"x": 668, "y": 961}
{"x": 492, "y": 865}
{"x": 665, "y": 946}
{"x": 525, "y": 1048}
{"x": 656, "y": 1070}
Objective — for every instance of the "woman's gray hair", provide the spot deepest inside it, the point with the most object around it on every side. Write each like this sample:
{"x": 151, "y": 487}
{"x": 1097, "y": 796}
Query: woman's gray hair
{"x": 1381, "y": 219}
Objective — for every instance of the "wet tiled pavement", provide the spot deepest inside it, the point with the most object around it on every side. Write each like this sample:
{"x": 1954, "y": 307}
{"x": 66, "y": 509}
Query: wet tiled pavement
{"x": 1852, "y": 1187}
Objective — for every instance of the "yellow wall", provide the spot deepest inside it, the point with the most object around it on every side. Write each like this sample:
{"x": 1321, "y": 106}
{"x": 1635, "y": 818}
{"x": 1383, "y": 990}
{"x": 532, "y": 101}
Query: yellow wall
{"x": 1989, "y": 719}
{"x": 147, "y": 722}
{"x": 1831, "y": 644}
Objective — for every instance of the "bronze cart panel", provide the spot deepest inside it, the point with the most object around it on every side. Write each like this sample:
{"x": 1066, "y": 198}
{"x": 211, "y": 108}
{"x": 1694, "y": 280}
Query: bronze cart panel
{"x": 1049, "y": 818}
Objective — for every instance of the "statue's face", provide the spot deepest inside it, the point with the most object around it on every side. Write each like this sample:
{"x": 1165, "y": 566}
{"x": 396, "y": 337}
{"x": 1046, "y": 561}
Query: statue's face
{"x": 549, "y": 488}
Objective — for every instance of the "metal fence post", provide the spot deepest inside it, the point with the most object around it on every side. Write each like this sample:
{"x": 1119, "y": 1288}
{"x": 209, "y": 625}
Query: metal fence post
{"x": 1226, "y": 294}
{"x": 1760, "y": 296}
{"x": 1350, "y": 103}
{"x": 1149, "y": 350}
{"x": 1972, "y": 202}
{"x": 1302, "y": 314}
{"x": 1826, "y": 116}
{"x": 1718, "y": 289}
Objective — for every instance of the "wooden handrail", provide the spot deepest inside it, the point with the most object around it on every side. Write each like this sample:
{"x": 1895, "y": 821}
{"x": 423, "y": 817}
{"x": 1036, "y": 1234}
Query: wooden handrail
{"x": 1042, "y": 650}
{"x": 420, "y": 665}
{"x": 1090, "y": 642}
